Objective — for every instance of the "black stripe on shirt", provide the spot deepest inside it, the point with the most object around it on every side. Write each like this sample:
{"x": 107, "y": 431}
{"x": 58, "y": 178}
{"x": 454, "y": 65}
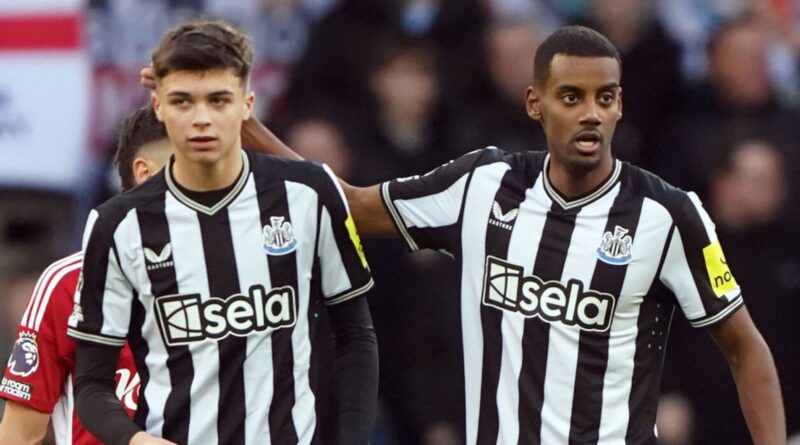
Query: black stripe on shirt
{"x": 273, "y": 201}
{"x": 223, "y": 282}
{"x": 587, "y": 402}
{"x": 509, "y": 196}
{"x": 154, "y": 230}
{"x": 140, "y": 349}
{"x": 550, "y": 260}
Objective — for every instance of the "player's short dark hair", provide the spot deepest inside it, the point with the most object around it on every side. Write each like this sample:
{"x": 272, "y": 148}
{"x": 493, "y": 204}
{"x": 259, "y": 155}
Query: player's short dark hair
{"x": 203, "y": 45}
{"x": 571, "y": 41}
{"x": 137, "y": 130}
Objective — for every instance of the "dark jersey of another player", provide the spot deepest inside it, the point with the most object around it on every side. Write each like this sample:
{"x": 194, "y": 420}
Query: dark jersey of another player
{"x": 566, "y": 303}
{"x": 218, "y": 303}
{"x": 40, "y": 370}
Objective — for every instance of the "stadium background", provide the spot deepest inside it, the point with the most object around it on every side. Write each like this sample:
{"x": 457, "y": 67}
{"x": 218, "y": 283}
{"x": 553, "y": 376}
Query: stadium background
{"x": 386, "y": 88}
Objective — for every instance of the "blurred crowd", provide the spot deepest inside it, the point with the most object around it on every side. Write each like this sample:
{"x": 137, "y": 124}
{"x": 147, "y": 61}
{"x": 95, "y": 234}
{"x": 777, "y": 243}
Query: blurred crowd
{"x": 379, "y": 89}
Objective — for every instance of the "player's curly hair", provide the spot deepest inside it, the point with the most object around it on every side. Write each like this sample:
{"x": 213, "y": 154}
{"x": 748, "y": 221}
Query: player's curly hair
{"x": 202, "y": 45}
{"x": 571, "y": 41}
{"x": 139, "y": 129}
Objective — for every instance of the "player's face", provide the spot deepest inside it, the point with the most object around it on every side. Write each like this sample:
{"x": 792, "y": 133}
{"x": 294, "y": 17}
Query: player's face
{"x": 578, "y": 108}
{"x": 203, "y": 112}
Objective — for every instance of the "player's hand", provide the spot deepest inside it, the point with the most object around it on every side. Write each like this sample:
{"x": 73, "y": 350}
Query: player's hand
{"x": 250, "y": 132}
{"x": 147, "y": 78}
{"x": 142, "y": 438}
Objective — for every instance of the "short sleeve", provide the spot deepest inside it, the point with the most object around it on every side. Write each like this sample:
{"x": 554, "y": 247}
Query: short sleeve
{"x": 37, "y": 368}
{"x": 695, "y": 269}
{"x": 344, "y": 268}
{"x": 427, "y": 209}
{"x": 104, "y": 295}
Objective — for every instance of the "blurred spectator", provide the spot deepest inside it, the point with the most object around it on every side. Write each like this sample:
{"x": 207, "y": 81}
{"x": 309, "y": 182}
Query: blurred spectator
{"x": 500, "y": 119}
{"x": 320, "y": 140}
{"x": 693, "y": 22}
{"x": 336, "y": 66}
{"x": 748, "y": 187}
{"x": 651, "y": 75}
{"x": 737, "y": 96}
{"x": 675, "y": 420}
{"x": 399, "y": 133}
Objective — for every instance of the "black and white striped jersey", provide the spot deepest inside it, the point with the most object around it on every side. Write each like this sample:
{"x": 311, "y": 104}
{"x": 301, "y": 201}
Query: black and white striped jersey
{"x": 219, "y": 303}
{"x": 566, "y": 304}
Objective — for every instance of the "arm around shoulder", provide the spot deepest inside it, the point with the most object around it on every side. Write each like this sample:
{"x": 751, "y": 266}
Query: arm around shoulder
{"x": 368, "y": 210}
{"x": 755, "y": 375}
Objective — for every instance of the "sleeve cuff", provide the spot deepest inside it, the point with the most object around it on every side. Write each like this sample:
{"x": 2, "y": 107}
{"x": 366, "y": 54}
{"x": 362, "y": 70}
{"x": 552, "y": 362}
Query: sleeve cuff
{"x": 94, "y": 338}
{"x": 719, "y": 317}
{"x": 396, "y": 218}
{"x": 350, "y": 294}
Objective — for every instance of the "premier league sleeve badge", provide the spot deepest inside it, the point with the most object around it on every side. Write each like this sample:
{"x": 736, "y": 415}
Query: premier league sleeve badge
{"x": 25, "y": 356}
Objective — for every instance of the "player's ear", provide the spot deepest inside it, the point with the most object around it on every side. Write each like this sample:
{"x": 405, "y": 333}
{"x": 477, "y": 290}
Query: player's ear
{"x": 141, "y": 170}
{"x": 248, "y": 105}
{"x": 533, "y": 103}
{"x": 156, "y": 105}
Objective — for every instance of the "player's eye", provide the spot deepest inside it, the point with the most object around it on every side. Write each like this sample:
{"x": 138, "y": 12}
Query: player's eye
{"x": 570, "y": 98}
{"x": 607, "y": 99}
{"x": 219, "y": 100}
{"x": 179, "y": 102}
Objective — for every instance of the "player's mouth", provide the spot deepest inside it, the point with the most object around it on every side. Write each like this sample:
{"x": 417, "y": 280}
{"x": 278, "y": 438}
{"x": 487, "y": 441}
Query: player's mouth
{"x": 202, "y": 141}
{"x": 588, "y": 142}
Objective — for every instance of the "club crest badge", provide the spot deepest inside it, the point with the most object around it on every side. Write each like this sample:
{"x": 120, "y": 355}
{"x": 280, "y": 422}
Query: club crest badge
{"x": 279, "y": 237}
{"x": 25, "y": 356}
{"x": 615, "y": 248}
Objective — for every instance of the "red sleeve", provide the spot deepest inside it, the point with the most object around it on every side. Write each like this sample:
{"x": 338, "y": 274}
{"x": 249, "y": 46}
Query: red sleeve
{"x": 43, "y": 357}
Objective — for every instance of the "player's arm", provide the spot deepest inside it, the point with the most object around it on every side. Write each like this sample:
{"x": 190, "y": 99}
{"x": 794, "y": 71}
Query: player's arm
{"x": 756, "y": 378}
{"x": 96, "y": 402}
{"x": 355, "y": 370}
{"x": 365, "y": 202}
{"x": 344, "y": 280}
{"x": 22, "y": 424}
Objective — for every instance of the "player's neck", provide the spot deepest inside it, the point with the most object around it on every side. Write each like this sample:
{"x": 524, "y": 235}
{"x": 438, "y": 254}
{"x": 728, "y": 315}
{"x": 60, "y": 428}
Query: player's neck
{"x": 572, "y": 183}
{"x": 208, "y": 176}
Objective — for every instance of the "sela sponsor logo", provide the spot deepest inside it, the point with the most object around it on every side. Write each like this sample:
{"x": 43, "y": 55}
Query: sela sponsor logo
{"x": 615, "y": 248}
{"x": 128, "y": 384}
{"x": 279, "y": 236}
{"x": 506, "y": 288}
{"x": 158, "y": 260}
{"x": 186, "y": 319}
{"x": 501, "y": 219}
{"x": 17, "y": 389}
{"x": 24, "y": 358}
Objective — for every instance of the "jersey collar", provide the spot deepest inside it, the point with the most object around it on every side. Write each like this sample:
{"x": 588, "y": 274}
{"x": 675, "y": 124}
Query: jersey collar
{"x": 592, "y": 196}
{"x": 194, "y": 205}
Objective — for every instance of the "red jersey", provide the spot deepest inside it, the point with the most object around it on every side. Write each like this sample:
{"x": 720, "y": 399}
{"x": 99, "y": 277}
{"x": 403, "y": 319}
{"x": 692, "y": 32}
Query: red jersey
{"x": 40, "y": 369}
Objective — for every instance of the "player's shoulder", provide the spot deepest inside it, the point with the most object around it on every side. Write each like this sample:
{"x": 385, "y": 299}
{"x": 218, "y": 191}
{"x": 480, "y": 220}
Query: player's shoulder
{"x": 117, "y": 207}
{"x": 521, "y": 160}
{"x": 53, "y": 291}
{"x": 646, "y": 184}
{"x": 270, "y": 168}
{"x": 64, "y": 269}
